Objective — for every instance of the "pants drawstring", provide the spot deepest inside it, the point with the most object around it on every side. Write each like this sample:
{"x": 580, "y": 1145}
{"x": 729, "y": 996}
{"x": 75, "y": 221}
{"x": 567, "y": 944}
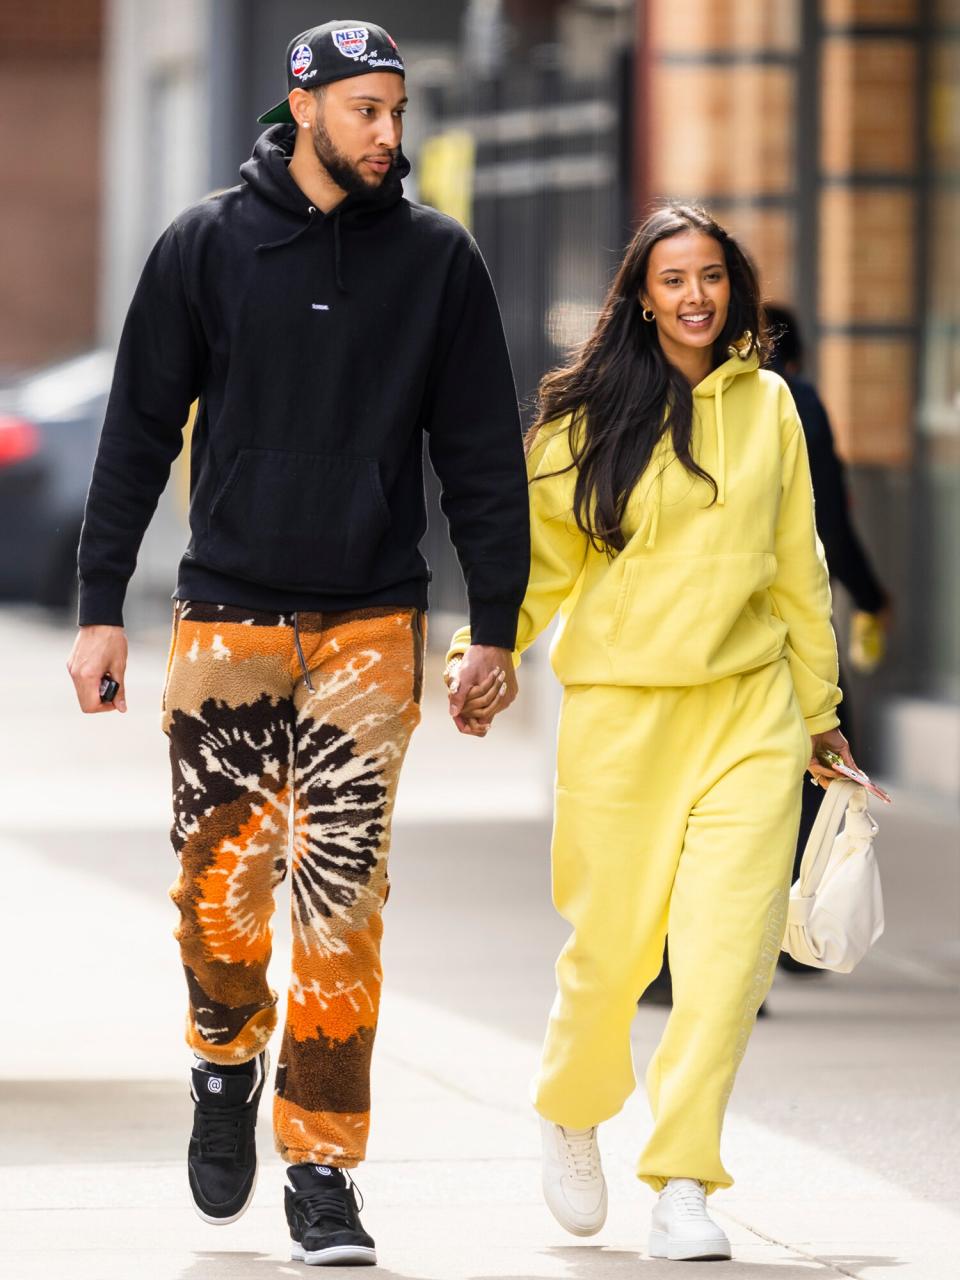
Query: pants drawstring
{"x": 299, "y": 647}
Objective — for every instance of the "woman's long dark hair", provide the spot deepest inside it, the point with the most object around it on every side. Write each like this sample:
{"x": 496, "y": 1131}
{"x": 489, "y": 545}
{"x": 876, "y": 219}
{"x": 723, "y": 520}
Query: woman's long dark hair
{"x": 622, "y": 391}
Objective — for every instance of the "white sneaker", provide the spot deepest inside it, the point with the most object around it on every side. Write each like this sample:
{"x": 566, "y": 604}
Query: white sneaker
{"x": 681, "y": 1228}
{"x": 573, "y": 1184}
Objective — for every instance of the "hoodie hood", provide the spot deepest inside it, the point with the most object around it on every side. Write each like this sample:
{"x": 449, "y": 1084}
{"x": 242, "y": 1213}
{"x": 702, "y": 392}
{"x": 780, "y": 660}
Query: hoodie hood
{"x": 267, "y": 172}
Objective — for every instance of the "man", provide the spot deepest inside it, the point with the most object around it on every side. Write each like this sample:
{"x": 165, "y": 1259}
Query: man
{"x": 323, "y": 322}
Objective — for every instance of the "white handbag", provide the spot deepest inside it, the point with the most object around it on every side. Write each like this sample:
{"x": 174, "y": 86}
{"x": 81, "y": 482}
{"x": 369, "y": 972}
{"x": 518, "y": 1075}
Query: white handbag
{"x": 836, "y": 907}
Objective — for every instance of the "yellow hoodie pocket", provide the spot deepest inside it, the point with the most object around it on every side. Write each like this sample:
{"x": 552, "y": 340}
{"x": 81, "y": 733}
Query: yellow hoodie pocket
{"x": 684, "y": 620}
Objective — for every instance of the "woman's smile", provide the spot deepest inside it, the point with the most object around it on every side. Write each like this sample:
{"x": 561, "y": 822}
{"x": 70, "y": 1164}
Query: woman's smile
{"x": 697, "y": 321}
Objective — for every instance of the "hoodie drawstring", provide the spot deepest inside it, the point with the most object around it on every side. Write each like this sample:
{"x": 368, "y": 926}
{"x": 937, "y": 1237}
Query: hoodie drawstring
{"x": 655, "y": 516}
{"x": 337, "y": 243}
{"x": 721, "y": 445}
{"x": 337, "y": 252}
{"x": 299, "y": 648}
{"x": 721, "y": 477}
{"x": 278, "y": 244}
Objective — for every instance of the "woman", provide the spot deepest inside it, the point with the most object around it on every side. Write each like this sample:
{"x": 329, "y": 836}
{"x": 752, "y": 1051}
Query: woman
{"x": 672, "y": 526}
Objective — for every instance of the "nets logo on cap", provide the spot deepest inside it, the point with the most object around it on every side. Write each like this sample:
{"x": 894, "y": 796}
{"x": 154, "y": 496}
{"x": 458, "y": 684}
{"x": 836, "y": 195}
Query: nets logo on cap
{"x": 300, "y": 59}
{"x": 351, "y": 41}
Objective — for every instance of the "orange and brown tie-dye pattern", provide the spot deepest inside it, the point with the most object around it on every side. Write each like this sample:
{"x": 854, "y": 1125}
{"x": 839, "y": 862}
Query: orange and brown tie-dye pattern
{"x": 287, "y": 733}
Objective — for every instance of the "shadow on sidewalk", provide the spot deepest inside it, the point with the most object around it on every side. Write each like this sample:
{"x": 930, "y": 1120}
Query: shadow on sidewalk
{"x": 594, "y": 1262}
{"x": 579, "y": 1262}
{"x": 239, "y": 1265}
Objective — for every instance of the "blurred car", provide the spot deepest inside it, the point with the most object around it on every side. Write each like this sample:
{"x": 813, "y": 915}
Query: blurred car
{"x": 49, "y": 427}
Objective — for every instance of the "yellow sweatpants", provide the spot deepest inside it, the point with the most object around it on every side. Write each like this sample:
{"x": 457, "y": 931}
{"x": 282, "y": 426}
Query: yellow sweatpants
{"x": 677, "y": 811}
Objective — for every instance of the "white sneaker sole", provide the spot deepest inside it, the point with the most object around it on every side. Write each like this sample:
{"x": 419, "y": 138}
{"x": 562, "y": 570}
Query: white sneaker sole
{"x": 709, "y": 1250}
{"x": 225, "y": 1222}
{"x": 342, "y": 1255}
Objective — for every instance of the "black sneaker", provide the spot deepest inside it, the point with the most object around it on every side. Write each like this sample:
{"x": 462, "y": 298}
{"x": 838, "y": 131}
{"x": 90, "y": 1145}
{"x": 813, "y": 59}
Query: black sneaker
{"x": 324, "y": 1218}
{"x": 222, "y": 1160}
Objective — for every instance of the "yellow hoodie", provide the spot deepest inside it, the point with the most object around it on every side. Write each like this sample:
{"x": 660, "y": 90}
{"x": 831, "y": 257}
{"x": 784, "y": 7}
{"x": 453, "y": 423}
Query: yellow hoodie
{"x": 701, "y": 591}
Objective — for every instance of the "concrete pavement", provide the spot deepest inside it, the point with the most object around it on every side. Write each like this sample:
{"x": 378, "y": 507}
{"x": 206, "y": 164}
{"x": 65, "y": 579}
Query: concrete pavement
{"x": 843, "y": 1132}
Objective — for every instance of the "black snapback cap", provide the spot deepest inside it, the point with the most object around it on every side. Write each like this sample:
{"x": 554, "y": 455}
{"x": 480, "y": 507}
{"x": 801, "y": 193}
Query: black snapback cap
{"x": 333, "y": 52}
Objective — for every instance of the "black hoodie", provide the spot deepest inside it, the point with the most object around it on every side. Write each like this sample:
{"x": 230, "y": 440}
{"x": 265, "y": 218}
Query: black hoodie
{"x": 320, "y": 348}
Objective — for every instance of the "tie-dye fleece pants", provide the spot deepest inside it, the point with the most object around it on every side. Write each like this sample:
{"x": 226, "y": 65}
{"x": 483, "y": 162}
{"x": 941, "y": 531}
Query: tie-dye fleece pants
{"x": 287, "y": 733}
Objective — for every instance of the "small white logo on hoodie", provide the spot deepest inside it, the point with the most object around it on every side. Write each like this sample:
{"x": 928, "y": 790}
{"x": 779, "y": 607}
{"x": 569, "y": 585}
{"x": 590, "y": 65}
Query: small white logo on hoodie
{"x": 319, "y": 306}
{"x": 215, "y": 1084}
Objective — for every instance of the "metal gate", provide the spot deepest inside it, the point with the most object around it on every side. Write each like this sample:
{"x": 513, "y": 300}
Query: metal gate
{"x": 550, "y": 183}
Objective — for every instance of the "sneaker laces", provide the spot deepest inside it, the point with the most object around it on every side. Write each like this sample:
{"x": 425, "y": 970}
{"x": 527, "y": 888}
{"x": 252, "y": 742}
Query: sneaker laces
{"x": 219, "y": 1135}
{"x": 582, "y": 1157}
{"x": 688, "y": 1196}
{"x": 330, "y": 1205}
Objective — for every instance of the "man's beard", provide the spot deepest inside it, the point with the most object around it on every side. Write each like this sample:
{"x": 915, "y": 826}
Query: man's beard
{"x": 344, "y": 172}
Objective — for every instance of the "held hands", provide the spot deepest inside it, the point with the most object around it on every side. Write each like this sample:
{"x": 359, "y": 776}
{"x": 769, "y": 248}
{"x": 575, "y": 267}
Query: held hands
{"x": 97, "y": 652}
{"x": 481, "y": 684}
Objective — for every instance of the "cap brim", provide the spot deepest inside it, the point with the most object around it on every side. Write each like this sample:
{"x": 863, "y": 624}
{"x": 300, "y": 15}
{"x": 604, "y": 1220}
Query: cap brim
{"x": 280, "y": 114}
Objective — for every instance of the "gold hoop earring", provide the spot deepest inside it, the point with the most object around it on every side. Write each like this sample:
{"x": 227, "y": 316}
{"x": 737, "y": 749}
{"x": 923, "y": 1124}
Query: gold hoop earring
{"x": 649, "y": 315}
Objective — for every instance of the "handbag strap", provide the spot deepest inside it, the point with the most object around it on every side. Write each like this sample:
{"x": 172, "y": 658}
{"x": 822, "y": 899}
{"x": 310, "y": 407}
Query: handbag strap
{"x": 828, "y": 821}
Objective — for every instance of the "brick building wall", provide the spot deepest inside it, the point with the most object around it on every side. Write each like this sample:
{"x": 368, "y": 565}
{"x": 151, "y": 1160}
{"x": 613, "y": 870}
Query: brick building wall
{"x": 869, "y": 206}
{"x": 50, "y": 170}
{"x": 718, "y": 121}
{"x": 797, "y": 124}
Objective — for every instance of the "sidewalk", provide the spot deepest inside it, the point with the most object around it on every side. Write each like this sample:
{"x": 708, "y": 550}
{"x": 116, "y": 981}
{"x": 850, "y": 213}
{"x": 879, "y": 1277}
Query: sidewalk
{"x": 843, "y": 1127}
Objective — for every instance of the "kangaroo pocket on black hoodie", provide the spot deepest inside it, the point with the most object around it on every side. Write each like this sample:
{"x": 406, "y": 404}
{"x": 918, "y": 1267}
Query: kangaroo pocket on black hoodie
{"x": 297, "y": 520}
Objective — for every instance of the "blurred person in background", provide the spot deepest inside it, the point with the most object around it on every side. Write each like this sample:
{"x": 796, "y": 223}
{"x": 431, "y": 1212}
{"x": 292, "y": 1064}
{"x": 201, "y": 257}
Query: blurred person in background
{"x": 323, "y": 322}
{"x": 672, "y": 528}
{"x": 846, "y": 558}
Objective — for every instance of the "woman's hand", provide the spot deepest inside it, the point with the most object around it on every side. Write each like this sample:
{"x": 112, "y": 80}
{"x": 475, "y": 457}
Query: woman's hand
{"x": 482, "y": 704}
{"x": 473, "y": 711}
{"x": 832, "y": 740}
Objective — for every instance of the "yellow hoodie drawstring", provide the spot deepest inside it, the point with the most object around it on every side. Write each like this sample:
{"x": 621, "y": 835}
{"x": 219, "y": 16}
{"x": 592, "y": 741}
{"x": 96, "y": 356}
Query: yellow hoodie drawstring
{"x": 721, "y": 478}
{"x": 721, "y": 445}
{"x": 655, "y": 516}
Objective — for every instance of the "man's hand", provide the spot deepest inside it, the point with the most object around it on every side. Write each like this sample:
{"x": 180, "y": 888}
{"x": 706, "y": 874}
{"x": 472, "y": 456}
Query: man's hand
{"x": 481, "y": 704}
{"x": 98, "y": 652}
{"x": 485, "y": 684}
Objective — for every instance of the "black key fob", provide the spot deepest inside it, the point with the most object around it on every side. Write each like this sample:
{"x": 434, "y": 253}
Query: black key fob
{"x": 109, "y": 688}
